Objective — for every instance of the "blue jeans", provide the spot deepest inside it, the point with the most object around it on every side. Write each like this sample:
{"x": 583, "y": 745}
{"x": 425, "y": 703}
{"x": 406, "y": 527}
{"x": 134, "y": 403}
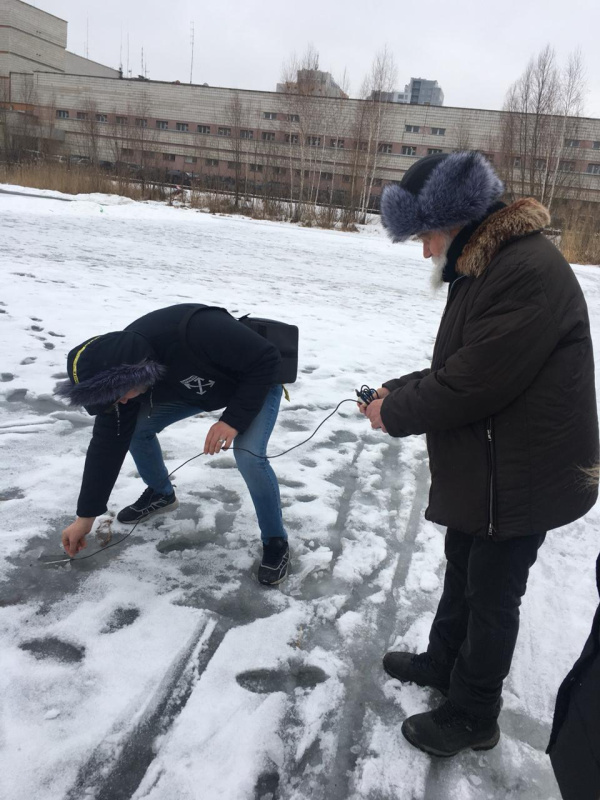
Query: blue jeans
{"x": 257, "y": 472}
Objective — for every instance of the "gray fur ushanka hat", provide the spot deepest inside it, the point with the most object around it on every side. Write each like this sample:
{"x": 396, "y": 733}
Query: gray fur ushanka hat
{"x": 441, "y": 191}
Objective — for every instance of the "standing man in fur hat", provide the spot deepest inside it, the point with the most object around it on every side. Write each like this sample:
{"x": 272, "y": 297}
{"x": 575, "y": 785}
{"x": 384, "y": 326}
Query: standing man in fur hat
{"x": 168, "y": 365}
{"x": 509, "y": 409}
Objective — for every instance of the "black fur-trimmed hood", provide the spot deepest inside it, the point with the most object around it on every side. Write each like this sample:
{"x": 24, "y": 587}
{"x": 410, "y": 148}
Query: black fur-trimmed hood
{"x": 106, "y": 367}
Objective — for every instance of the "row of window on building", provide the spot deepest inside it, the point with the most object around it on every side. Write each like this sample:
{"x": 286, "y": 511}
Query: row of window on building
{"x": 564, "y": 166}
{"x": 578, "y": 143}
{"x": 184, "y": 127}
{"x": 236, "y": 165}
{"x": 423, "y": 129}
{"x": 163, "y": 124}
{"x": 248, "y": 133}
{"x": 317, "y": 141}
{"x": 541, "y": 164}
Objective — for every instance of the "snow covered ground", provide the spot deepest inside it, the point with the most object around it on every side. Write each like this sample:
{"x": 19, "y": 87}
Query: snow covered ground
{"x": 160, "y": 669}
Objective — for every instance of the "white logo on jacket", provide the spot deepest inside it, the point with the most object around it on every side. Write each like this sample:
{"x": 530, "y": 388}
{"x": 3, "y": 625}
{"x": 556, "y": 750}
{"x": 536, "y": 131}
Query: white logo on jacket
{"x": 199, "y": 385}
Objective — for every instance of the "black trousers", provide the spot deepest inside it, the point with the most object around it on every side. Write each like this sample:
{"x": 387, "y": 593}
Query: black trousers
{"x": 477, "y": 621}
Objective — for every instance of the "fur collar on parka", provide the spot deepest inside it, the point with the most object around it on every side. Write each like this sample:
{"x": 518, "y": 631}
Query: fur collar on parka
{"x": 519, "y": 219}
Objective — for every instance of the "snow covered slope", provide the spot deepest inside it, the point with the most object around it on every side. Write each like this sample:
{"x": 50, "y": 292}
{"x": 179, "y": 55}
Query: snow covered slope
{"x": 161, "y": 669}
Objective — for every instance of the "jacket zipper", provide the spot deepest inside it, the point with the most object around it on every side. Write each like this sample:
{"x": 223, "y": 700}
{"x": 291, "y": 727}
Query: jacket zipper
{"x": 452, "y": 285}
{"x": 492, "y": 497}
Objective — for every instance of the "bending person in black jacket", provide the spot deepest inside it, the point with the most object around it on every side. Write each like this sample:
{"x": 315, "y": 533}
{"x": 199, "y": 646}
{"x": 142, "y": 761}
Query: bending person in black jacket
{"x": 164, "y": 367}
{"x": 509, "y": 409}
{"x": 574, "y": 746}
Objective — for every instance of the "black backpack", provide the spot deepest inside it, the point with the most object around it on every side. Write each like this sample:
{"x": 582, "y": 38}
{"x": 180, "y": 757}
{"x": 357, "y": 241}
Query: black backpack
{"x": 283, "y": 336}
{"x": 285, "y": 339}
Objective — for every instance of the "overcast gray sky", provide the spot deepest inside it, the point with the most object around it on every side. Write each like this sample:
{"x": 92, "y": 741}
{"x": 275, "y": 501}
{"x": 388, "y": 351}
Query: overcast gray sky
{"x": 473, "y": 49}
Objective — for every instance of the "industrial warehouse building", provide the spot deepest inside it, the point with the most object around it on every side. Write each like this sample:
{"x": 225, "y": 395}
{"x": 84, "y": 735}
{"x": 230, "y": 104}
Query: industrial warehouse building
{"x": 69, "y": 107}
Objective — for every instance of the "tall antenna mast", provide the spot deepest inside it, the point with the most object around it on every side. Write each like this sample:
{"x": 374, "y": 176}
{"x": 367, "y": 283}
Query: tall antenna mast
{"x": 121, "y": 51}
{"x": 87, "y": 37}
{"x": 192, "y": 44}
{"x": 128, "y": 70}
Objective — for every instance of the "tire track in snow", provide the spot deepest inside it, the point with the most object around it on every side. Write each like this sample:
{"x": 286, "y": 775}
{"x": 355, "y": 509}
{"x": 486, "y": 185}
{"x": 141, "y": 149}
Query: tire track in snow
{"x": 316, "y": 775}
{"x": 116, "y": 775}
{"x": 362, "y": 685}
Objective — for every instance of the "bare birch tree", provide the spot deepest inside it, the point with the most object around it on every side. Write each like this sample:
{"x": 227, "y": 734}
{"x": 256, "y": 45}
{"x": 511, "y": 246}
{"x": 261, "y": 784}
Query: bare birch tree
{"x": 539, "y": 125}
{"x": 380, "y": 82}
{"x": 235, "y": 120}
{"x": 302, "y": 127}
{"x": 570, "y": 106}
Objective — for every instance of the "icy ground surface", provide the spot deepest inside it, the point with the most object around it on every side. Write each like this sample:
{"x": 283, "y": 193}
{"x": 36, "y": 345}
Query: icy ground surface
{"x": 161, "y": 669}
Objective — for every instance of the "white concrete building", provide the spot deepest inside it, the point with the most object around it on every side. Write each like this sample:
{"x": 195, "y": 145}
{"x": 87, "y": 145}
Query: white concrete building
{"x": 32, "y": 40}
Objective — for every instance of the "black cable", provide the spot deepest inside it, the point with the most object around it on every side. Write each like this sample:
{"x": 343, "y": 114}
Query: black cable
{"x": 267, "y": 456}
{"x": 364, "y": 393}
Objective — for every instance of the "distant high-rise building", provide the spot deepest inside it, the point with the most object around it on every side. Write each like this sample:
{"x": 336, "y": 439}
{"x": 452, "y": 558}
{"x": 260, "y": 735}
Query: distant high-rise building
{"x": 312, "y": 82}
{"x": 419, "y": 92}
{"x": 422, "y": 92}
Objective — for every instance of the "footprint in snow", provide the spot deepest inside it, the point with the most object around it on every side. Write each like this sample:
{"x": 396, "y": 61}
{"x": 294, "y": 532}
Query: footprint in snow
{"x": 291, "y": 484}
{"x": 297, "y": 676}
{"x": 293, "y": 425}
{"x": 6, "y": 376}
{"x": 28, "y": 360}
{"x": 267, "y": 786}
{"x": 12, "y": 493}
{"x": 338, "y": 438}
{"x": 305, "y": 498}
{"x": 224, "y": 463}
{"x": 16, "y": 396}
{"x": 53, "y": 648}
{"x": 178, "y": 544}
{"x": 120, "y": 618}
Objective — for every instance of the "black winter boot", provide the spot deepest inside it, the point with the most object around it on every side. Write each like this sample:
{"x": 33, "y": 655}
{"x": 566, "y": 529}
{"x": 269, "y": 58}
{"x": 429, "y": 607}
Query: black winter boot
{"x": 447, "y": 730}
{"x": 418, "y": 668}
{"x": 147, "y": 505}
{"x": 275, "y": 561}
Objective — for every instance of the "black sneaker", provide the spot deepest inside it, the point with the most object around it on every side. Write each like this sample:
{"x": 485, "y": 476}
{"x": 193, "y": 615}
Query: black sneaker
{"x": 275, "y": 562}
{"x": 447, "y": 730}
{"x": 418, "y": 668}
{"x": 149, "y": 503}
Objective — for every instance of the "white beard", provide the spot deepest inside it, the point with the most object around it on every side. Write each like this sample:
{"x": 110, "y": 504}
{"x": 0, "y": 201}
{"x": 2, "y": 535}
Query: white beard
{"x": 439, "y": 262}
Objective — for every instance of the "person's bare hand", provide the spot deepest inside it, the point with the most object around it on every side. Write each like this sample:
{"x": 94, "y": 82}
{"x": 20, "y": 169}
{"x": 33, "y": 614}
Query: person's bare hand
{"x": 220, "y": 436}
{"x": 73, "y": 537}
{"x": 373, "y": 414}
{"x": 381, "y": 393}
